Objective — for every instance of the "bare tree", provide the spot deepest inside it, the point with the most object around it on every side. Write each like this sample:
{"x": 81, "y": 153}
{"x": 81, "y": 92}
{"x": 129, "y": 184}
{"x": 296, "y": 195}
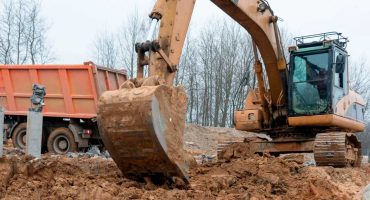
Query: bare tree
{"x": 114, "y": 49}
{"x": 20, "y": 33}
{"x": 212, "y": 68}
{"x": 106, "y": 50}
{"x": 286, "y": 40}
{"x": 129, "y": 35}
{"x": 360, "y": 82}
{"x": 188, "y": 76}
{"x": 23, "y": 33}
{"x": 6, "y": 28}
{"x": 39, "y": 51}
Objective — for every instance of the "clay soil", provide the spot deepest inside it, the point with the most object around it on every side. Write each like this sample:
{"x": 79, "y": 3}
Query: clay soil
{"x": 238, "y": 174}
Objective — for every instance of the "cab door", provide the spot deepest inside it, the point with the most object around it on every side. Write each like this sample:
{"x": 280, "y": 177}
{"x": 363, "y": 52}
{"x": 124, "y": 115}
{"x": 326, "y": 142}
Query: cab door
{"x": 340, "y": 79}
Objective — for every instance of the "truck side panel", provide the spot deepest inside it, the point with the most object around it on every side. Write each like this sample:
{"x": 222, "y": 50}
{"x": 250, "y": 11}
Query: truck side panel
{"x": 72, "y": 90}
{"x": 107, "y": 80}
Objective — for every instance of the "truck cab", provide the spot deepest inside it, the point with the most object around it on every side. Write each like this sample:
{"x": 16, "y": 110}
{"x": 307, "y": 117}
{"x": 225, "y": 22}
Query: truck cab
{"x": 319, "y": 83}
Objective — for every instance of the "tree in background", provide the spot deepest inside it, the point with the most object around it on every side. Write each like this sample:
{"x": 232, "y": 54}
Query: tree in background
{"x": 128, "y": 36}
{"x": 118, "y": 49}
{"x": 23, "y": 33}
{"x": 106, "y": 50}
{"x": 36, "y": 31}
{"x": 212, "y": 68}
{"x": 360, "y": 82}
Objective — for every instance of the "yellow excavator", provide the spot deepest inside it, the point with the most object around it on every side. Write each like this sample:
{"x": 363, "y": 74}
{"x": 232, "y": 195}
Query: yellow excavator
{"x": 304, "y": 106}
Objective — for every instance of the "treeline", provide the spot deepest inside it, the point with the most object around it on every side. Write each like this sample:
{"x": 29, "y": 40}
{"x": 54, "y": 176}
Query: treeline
{"x": 216, "y": 67}
{"x": 117, "y": 49}
{"x": 23, "y": 33}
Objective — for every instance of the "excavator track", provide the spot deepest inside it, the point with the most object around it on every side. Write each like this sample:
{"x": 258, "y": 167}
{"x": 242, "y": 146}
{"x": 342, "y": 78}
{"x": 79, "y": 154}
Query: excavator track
{"x": 223, "y": 144}
{"x": 337, "y": 149}
{"x": 142, "y": 128}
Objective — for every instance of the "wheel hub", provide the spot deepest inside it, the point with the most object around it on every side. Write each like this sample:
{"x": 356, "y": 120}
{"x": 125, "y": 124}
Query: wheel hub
{"x": 22, "y": 139}
{"x": 61, "y": 144}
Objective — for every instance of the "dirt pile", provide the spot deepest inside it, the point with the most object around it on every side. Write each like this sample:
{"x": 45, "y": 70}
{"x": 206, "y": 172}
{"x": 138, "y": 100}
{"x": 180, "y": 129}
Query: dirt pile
{"x": 204, "y": 140}
{"x": 242, "y": 175}
{"x": 238, "y": 175}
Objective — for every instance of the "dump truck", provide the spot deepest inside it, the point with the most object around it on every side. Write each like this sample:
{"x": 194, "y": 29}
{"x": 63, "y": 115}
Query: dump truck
{"x": 72, "y": 93}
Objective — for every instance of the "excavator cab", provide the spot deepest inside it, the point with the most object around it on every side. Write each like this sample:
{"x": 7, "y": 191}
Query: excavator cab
{"x": 323, "y": 113}
{"x": 318, "y": 82}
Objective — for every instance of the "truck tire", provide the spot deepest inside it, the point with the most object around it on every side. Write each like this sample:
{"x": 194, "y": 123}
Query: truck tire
{"x": 19, "y": 136}
{"x": 61, "y": 141}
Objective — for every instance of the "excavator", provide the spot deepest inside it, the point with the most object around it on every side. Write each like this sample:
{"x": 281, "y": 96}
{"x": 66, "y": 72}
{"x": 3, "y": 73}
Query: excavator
{"x": 304, "y": 105}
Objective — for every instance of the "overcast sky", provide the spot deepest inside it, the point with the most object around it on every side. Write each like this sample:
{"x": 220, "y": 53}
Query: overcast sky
{"x": 75, "y": 23}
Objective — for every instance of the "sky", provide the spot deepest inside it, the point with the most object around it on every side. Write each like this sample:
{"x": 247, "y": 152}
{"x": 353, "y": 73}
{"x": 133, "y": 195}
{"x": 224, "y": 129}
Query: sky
{"x": 74, "y": 24}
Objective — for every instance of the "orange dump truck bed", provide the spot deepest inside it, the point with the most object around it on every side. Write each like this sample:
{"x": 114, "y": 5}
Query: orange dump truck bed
{"x": 72, "y": 91}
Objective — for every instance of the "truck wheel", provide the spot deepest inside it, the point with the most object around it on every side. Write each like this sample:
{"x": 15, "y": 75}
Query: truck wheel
{"x": 61, "y": 141}
{"x": 19, "y": 136}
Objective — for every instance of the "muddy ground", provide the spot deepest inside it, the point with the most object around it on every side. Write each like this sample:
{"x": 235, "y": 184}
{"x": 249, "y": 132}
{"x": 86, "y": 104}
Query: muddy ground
{"x": 237, "y": 175}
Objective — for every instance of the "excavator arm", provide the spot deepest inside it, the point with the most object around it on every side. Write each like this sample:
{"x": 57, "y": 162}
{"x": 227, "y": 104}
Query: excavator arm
{"x": 142, "y": 124}
{"x": 254, "y": 16}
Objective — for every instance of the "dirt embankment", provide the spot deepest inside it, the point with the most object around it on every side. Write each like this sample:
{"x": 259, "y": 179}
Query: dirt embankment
{"x": 239, "y": 175}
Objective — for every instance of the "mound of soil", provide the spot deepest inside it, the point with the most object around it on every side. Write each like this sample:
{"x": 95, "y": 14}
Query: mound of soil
{"x": 201, "y": 140}
{"x": 240, "y": 176}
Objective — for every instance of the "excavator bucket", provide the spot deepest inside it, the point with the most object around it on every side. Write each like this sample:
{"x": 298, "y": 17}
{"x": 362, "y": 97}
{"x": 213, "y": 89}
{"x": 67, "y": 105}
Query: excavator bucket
{"x": 142, "y": 128}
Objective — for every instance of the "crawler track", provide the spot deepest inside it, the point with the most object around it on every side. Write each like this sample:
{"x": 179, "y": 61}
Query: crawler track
{"x": 338, "y": 149}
